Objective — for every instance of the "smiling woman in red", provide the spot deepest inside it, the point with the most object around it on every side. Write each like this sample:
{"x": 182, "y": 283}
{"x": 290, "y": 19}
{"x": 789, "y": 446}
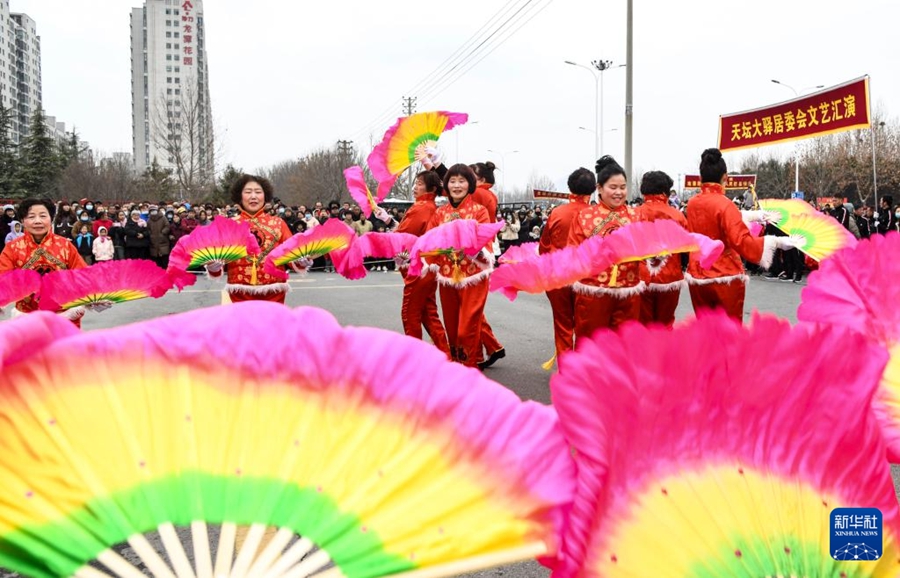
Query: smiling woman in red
{"x": 246, "y": 279}
{"x": 463, "y": 283}
{"x": 613, "y": 297}
{"x": 39, "y": 249}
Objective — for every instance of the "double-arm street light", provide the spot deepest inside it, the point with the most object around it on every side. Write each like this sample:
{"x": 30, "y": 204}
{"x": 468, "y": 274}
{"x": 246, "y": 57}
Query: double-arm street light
{"x": 796, "y": 148}
{"x": 597, "y": 68}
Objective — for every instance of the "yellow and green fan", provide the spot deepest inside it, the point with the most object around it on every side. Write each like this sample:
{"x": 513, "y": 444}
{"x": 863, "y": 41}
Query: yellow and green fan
{"x": 327, "y": 451}
{"x": 785, "y": 209}
{"x": 819, "y": 235}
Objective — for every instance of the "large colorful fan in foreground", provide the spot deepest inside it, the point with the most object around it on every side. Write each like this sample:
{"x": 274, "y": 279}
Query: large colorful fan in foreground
{"x": 350, "y": 262}
{"x": 397, "y": 150}
{"x": 857, "y": 289}
{"x": 635, "y": 242}
{"x": 104, "y": 283}
{"x": 18, "y": 284}
{"x": 820, "y": 235}
{"x": 384, "y": 461}
{"x": 359, "y": 190}
{"x": 222, "y": 241}
{"x": 312, "y": 244}
{"x": 706, "y": 458}
{"x": 460, "y": 236}
{"x": 785, "y": 209}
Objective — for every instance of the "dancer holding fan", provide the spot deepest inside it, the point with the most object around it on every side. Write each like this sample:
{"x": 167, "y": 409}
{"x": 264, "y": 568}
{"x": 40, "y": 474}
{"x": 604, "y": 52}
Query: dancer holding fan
{"x": 39, "y": 249}
{"x": 419, "y": 300}
{"x": 463, "y": 280}
{"x": 582, "y": 184}
{"x": 484, "y": 196}
{"x": 711, "y": 213}
{"x": 663, "y": 277}
{"x": 246, "y": 278}
{"x": 613, "y": 297}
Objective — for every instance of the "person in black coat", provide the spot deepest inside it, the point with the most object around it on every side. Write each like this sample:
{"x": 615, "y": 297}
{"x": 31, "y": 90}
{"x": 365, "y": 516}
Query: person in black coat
{"x": 137, "y": 238}
{"x": 886, "y": 220}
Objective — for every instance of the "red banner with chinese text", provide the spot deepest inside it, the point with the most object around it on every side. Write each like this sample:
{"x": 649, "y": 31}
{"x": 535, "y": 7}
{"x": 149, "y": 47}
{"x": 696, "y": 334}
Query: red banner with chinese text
{"x": 837, "y": 109}
{"x": 735, "y": 182}
{"x": 540, "y": 194}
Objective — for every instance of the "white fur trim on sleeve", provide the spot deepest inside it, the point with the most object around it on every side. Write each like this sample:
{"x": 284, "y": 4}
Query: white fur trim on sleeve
{"x": 768, "y": 254}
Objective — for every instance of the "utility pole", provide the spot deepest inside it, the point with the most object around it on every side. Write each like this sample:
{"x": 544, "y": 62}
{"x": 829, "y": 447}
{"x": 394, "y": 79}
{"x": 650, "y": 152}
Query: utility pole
{"x": 345, "y": 153}
{"x": 409, "y": 108}
{"x": 629, "y": 92}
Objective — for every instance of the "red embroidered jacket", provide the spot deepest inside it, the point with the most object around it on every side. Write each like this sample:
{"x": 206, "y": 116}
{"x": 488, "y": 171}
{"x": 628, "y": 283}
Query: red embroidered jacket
{"x": 601, "y": 220}
{"x": 657, "y": 207}
{"x": 269, "y": 232}
{"x": 459, "y": 269}
{"x": 53, "y": 253}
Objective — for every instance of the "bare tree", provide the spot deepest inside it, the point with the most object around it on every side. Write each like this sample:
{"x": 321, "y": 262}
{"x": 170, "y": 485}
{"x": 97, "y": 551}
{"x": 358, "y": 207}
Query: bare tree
{"x": 182, "y": 129}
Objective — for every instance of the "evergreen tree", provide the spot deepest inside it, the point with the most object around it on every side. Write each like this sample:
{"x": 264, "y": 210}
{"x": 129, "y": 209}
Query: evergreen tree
{"x": 219, "y": 195}
{"x": 156, "y": 184}
{"x": 9, "y": 159}
{"x": 41, "y": 164}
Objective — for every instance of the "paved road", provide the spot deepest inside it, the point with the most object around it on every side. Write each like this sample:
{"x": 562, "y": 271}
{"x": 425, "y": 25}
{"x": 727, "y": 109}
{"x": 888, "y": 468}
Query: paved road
{"x": 524, "y": 327}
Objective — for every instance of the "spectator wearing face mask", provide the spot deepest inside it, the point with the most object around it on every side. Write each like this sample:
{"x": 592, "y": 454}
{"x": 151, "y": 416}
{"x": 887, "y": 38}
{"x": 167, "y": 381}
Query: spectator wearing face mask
{"x": 159, "y": 230}
{"x": 137, "y": 239}
{"x": 88, "y": 208}
{"x": 84, "y": 241}
{"x": 84, "y": 218}
{"x": 65, "y": 218}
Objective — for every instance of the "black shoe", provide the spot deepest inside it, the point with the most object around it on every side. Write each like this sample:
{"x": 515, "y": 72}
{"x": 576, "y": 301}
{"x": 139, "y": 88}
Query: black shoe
{"x": 784, "y": 277}
{"x": 770, "y": 276}
{"x": 499, "y": 354}
{"x": 798, "y": 280}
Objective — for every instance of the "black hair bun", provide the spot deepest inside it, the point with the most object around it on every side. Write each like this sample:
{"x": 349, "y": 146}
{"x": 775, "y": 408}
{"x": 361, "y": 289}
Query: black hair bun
{"x": 711, "y": 156}
{"x": 490, "y": 166}
{"x": 605, "y": 161}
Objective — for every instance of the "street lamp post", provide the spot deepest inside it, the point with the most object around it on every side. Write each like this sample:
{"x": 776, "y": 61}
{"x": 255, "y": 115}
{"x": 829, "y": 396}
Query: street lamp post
{"x": 796, "y": 147}
{"x": 502, "y": 170}
{"x": 599, "y": 67}
{"x": 875, "y": 169}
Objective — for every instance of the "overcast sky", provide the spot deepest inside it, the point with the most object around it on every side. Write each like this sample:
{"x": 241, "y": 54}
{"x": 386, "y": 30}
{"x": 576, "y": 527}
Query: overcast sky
{"x": 287, "y": 77}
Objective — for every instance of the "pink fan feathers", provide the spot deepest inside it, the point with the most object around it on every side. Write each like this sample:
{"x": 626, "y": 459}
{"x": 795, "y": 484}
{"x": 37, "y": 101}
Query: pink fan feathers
{"x": 224, "y": 240}
{"x": 350, "y": 262}
{"x": 110, "y": 281}
{"x": 312, "y": 244}
{"x": 464, "y": 235}
{"x": 856, "y": 288}
{"x": 18, "y": 284}
{"x": 518, "y": 253}
{"x": 634, "y": 242}
{"x": 359, "y": 190}
{"x": 642, "y": 411}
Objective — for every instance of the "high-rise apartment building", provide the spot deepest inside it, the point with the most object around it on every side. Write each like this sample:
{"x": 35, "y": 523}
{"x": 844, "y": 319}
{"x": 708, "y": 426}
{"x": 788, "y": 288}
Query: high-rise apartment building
{"x": 171, "y": 116}
{"x": 20, "y": 69}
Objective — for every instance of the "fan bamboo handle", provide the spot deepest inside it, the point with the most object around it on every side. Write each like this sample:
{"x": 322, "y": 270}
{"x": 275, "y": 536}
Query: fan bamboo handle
{"x": 467, "y": 565}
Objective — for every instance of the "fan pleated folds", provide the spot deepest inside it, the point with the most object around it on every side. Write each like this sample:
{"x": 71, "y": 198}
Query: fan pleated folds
{"x": 370, "y": 444}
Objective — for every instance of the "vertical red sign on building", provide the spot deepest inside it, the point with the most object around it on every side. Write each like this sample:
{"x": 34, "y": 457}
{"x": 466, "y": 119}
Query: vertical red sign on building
{"x": 187, "y": 33}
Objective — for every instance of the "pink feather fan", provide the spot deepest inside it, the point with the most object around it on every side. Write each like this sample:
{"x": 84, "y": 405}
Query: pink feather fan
{"x": 462, "y": 235}
{"x": 107, "y": 282}
{"x": 359, "y": 190}
{"x": 18, "y": 284}
{"x": 350, "y": 262}
{"x": 856, "y": 288}
{"x": 222, "y": 241}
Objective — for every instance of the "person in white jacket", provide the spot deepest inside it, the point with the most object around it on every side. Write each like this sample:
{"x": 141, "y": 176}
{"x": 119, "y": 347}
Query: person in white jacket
{"x": 103, "y": 248}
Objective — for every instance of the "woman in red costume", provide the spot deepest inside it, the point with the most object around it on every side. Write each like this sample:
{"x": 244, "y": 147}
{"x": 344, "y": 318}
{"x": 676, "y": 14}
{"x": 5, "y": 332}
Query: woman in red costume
{"x": 555, "y": 236}
{"x": 419, "y": 293}
{"x": 664, "y": 278}
{"x": 40, "y": 250}
{"x": 613, "y": 297}
{"x": 484, "y": 196}
{"x": 710, "y": 213}
{"x": 463, "y": 280}
{"x": 246, "y": 279}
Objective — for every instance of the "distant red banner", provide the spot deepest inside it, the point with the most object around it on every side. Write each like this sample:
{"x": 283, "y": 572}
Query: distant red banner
{"x": 843, "y": 107}
{"x": 539, "y": 194}
{"x": 735, "y": 182}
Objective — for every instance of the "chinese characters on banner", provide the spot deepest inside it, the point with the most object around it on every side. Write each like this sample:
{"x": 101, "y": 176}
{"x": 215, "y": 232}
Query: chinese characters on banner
{"x": 843, "y": 107}
{"x": 187, "y": 32}
{"x": 541, "y": 194}
{"x": 735, "y": 182}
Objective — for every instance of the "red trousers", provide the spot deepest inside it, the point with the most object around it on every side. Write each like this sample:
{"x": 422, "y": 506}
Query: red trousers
{"x": 420, "y": 308}
{"x": 488, "y": 340}
{"x": 593, "y": 312}
{"x": 727, "y": 296}
{"x": 562, "y": 303}
{"x": 463, "y": 312}
{"x": 659, "y": 307}
{"x": 238, "y": 297}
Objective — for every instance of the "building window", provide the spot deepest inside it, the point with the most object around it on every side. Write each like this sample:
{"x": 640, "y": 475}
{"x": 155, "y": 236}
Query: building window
{"x": 168, "y": 57}
{"x": 168, "y": 46}
{"x": 168, "y": 34}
